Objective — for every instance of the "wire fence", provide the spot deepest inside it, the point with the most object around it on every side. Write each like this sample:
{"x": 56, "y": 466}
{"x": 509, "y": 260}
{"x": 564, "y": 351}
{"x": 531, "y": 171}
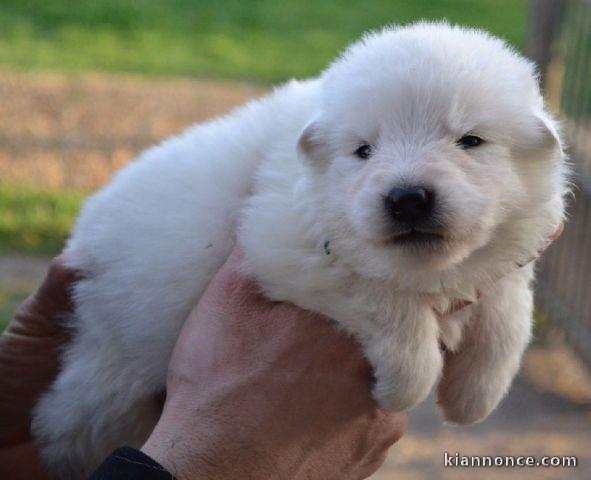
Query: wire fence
{"x": 564, "y": 280}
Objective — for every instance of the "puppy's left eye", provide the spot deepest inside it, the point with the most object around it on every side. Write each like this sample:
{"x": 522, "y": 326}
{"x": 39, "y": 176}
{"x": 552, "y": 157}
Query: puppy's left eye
{"x": 364, "y": 151}
{"x": 470, "y": 141}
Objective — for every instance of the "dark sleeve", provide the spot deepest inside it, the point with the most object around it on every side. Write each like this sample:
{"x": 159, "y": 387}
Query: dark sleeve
{"x": 130, "y": 464}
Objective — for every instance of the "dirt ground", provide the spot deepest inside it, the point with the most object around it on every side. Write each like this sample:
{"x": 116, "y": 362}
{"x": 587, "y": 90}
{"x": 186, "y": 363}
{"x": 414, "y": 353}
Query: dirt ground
{"x": 74, "y": 132}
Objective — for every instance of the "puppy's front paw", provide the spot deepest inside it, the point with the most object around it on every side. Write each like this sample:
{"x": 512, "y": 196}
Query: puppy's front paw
{"x": 401, "y": 386}
{"x": 467, "y": 396}
{"x": 390, "y": 394}
{"x": 462, "y": 406}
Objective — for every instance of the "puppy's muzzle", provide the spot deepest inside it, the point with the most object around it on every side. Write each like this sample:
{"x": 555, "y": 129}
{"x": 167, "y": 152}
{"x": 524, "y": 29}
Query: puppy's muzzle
{"x": 410, "y": 207}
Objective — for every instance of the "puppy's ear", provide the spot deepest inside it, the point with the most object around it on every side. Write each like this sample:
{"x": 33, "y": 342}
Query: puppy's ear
{"x": 540, "y": 138}
{"x": 549, "y": 136}
{"x": 312, "y": 146}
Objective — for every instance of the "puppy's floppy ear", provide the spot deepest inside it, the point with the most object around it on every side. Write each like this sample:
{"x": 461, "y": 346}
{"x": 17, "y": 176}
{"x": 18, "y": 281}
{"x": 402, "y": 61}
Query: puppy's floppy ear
{"x": 312, "y": 146}
{"x": 549, "y": 137}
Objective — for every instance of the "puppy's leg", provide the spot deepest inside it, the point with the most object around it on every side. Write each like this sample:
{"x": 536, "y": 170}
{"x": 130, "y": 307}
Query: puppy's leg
{"x": 94, "y": 406}
{"x": 405, "y": 356}
{"x": 478, "y": 375}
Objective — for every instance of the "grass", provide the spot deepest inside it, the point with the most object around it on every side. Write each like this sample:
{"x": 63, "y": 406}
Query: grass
{"x": 36, "y": 221}
{"x": 576, "y": 43}
{"x": 32, "y": 222}
{"x": 261, "y": 40}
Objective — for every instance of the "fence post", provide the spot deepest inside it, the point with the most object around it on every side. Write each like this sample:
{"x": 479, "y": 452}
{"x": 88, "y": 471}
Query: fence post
{"x": 545, "y": 17}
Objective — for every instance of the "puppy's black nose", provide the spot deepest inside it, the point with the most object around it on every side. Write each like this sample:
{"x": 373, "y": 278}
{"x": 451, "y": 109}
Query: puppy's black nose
{"x": 410, "y": 205}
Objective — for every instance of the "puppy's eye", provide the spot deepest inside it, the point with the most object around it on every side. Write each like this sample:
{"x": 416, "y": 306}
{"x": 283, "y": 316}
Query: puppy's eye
{"x": 470, "y": 141}
{"x": 364, "y": 151}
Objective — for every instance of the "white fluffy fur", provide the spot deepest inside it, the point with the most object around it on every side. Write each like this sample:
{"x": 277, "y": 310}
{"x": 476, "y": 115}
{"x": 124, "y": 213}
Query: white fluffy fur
{"x": 279, "y": 174}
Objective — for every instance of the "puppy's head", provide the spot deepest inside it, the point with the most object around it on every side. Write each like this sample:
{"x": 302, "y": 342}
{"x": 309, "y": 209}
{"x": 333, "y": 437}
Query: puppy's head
{"x": 431, "y": 150}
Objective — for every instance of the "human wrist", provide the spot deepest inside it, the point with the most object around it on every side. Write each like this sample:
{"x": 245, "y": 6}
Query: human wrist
{"x": 181, "y": 456}
{"x": 192, "y": 442}
{"x": 182, "y": 447}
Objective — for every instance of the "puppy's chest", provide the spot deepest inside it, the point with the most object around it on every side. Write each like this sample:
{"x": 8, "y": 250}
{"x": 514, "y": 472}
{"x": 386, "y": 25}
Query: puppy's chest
{"x": 391, "y": 308}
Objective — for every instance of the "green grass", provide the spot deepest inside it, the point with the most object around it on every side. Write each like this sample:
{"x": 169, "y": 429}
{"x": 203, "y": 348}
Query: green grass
{"x": 36, "y": 222}
{"x": 576, "y": 45}
{"x": 261, "y": 40}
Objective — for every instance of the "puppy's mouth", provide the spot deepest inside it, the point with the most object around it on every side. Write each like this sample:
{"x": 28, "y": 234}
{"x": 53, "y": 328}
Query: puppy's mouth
{"x": 418, "y": 238}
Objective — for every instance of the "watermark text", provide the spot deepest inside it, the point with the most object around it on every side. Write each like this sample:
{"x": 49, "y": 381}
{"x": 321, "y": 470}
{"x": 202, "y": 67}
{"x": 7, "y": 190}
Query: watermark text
{"x": 457, "y": 460}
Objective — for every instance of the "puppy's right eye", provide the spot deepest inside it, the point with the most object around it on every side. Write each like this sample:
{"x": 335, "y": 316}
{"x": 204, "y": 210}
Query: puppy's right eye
{"x": 364, "y": 151}
{"x": 470, "y": 141}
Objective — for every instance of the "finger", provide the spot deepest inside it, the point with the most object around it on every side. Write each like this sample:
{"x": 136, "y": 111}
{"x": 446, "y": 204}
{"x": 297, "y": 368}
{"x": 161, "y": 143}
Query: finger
{"x": 397, "y": 424}
{"x": 232, "y": 280}
{"x": 55, "y": 291}
{"x": 29, "y": 349}
{"x": 555, "y": 234}
{"x": 392, "y": 428}
{"x": 39, "y": 314}
{"x": 236, "y": 257}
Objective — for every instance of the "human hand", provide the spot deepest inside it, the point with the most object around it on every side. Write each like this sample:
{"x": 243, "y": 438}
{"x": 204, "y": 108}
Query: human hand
{"x": 29, "y": 362}
{"x": 265, "y": 390}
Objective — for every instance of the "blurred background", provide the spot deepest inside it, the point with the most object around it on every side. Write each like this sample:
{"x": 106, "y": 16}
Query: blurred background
{"x": 87, "y": 84}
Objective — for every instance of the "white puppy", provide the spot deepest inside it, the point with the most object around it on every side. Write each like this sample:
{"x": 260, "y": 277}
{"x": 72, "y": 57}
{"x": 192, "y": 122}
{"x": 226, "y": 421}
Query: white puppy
{"x": 417, "y": 171}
